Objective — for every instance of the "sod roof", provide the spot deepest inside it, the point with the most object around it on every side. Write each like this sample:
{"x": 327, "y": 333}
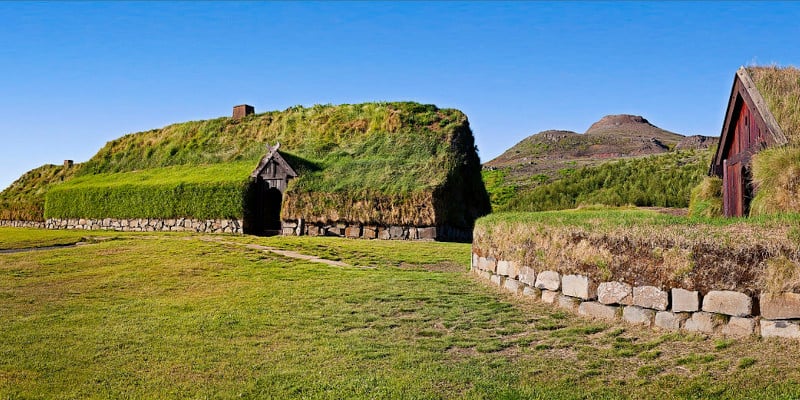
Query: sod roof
{"x": 383, "y": 163}
{"x": 780, "y": 88}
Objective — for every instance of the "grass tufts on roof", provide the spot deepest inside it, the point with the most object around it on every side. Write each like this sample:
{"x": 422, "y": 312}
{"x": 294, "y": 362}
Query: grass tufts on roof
{"x": 780, "y": 87}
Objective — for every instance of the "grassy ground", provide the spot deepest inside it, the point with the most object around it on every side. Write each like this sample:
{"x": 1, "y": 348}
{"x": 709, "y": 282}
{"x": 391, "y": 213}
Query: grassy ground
{"x": 181, "y": 316}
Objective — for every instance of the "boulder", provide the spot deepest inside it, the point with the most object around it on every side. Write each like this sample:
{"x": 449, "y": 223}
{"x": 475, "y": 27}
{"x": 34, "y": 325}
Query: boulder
{"x": 780, "y": 305}
{"x": 650, "y": 297}
{"x": 615, "y": 293}
{"x": 685, "y": 300}
{"x": 579, "y": 286}
{"x": 670, "y": 321}
{"x": 637, "y": 315}
{"x": 549, "y": 280}
{"x": 783, "y": 329}
{"x": 597, "y": 310}
{"x": 704, "y": 322}
{"x": 728, "y": 302}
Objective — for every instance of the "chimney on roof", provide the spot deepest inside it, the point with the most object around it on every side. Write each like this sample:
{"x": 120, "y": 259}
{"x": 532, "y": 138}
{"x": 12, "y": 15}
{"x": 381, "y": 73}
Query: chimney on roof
{"x": 242, "y": 111}
{"x": 68, "y": 163}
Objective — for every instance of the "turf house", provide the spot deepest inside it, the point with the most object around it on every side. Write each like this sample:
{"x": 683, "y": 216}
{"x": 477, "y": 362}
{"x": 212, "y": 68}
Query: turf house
{"x": 398, "y": 170}
{"x": 763, "y": 112}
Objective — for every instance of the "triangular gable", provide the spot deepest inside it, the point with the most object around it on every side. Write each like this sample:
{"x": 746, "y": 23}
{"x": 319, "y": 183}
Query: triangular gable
{"x": 273, "y": 155}
{"x": 744, "y": 86}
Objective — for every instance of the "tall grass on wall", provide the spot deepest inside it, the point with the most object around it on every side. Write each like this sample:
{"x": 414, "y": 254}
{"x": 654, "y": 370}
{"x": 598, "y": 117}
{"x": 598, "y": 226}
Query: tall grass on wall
{"x": 776, "y": 181}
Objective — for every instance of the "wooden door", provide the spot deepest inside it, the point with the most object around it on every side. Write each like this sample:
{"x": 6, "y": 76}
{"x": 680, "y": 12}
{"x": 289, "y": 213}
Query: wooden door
{"x": 733, "y": 189}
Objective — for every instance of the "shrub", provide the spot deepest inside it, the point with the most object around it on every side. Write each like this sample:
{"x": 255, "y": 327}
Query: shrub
{"x": 706, "y": 198}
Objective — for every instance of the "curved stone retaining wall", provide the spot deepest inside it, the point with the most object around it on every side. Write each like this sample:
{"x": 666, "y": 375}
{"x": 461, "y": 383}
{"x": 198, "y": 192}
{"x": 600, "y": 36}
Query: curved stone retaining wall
{"x": 722, "y": 312}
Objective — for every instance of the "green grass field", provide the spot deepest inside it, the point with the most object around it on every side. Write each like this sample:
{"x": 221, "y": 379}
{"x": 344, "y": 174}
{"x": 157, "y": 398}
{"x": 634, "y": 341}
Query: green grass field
{"x": 185, "y": 316}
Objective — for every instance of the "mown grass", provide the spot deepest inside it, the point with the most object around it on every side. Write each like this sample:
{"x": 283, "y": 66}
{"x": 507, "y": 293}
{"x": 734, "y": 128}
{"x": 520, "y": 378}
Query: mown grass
{"x": 164, "y": 316}
{"x": 197, "y": 191}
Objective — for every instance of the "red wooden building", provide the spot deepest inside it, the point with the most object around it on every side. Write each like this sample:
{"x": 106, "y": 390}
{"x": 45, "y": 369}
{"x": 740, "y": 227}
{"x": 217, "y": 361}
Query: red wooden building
{"x": 749, "y": 127}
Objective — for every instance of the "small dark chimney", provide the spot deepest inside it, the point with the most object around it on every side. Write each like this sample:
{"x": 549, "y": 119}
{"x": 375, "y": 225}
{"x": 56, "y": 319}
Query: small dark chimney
{"x": 68, "y": 163}
{"x": 242, "y": 111}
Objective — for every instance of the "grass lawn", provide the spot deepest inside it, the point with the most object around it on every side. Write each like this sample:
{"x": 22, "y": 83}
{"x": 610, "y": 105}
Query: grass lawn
{"x": 182, "y": 316}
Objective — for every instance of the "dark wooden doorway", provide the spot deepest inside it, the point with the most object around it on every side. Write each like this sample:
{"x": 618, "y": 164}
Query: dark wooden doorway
{"x": 263, "y": 209}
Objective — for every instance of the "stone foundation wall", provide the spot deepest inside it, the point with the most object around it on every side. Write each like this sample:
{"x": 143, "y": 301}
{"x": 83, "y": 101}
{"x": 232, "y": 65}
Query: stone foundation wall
{"x": 144, "y": 225}
{"x": 718, "y": 312}
{"x": 358, "y": 231}
{"x": 22, "y": 224}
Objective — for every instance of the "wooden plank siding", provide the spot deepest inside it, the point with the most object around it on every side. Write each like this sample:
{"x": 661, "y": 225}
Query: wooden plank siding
{"x": 748, "y": 128}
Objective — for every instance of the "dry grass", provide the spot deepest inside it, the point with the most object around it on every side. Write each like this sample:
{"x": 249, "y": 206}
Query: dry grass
{"x": 781, "y": 275}
{"x": 780, "y": 88}
{"x": 776, "y": 176}
{"x": 642, "y": 247}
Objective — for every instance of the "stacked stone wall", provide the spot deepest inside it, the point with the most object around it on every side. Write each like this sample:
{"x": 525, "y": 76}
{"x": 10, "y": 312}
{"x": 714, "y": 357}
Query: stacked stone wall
{"x": 359, "y": 231}
{"x": 717, "y": 312}
{"x": 138, "y": 224}
{"x": 22, "y": 224}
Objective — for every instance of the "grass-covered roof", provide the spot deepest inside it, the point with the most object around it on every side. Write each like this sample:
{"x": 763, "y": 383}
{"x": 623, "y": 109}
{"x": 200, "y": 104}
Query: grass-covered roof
{"x": 780, "y": 88}
{"x": 383, "y": 163}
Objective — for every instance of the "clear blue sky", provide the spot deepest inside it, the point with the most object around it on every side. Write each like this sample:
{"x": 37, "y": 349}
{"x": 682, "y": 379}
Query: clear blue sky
{"x": 76, "y": 75}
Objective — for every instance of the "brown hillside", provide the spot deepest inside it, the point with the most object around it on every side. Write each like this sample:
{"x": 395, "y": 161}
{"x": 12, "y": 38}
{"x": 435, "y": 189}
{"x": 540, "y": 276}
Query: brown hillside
{"x": 610, "y": 138}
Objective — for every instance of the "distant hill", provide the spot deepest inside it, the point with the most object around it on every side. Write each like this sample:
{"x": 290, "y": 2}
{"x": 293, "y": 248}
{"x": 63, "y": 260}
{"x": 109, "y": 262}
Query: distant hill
{"x": 555, "y": 154}
{"x": 612, "y": 137}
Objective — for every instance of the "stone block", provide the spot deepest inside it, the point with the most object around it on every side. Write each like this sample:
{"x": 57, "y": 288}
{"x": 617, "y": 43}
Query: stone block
{"x": 474, "y": 261}
{"x": 487, "y": 264}
{"x": 396, "y": 232}
{"x": 549, "y": 280}
{"x": 532, "y": 292}
{"x": 597, "y": 310}
{"x": 384, "y": 234}
{"x": 728, "y": 302}
{"x": 504, "y": 268}
{"x": 739, "y": 327}
{"x": 312, "y": 230}
{"x": 427, "y": 233}
{"x": 549, "y": 296}
{"x": 485, "y": 275}
{"x": 567, "y": 302}
{"x": 670, "y": 321}
{"x": 780, "y": 305}
{"x": 685, "y": 300}
{"x": 412, "y": 234}
{"x": 780, "y": 328}
{"x": 650, "y": 297}
{"x": 527, "y": 276}
{"x": 497, "y": 280}
{"x": 333, "y": 231}
{"x": 615, "y": 293}
{"x": 638, "y": 315}
{"x": 704, "y": 322}
{"x": 353, "y": 231}
{"x": 579, "y": 286}
{"x": 512, "y": 285}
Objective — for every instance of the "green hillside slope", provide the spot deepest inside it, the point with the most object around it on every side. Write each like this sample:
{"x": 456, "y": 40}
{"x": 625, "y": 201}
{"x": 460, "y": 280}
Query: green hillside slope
{"x": 660, "y": 180}
{"x": 24, "y": 199}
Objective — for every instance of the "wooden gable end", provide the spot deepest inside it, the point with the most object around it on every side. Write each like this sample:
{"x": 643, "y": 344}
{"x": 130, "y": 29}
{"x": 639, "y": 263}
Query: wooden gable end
{"x": 274, "y": 170}
{"x": 749, "y": 127}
